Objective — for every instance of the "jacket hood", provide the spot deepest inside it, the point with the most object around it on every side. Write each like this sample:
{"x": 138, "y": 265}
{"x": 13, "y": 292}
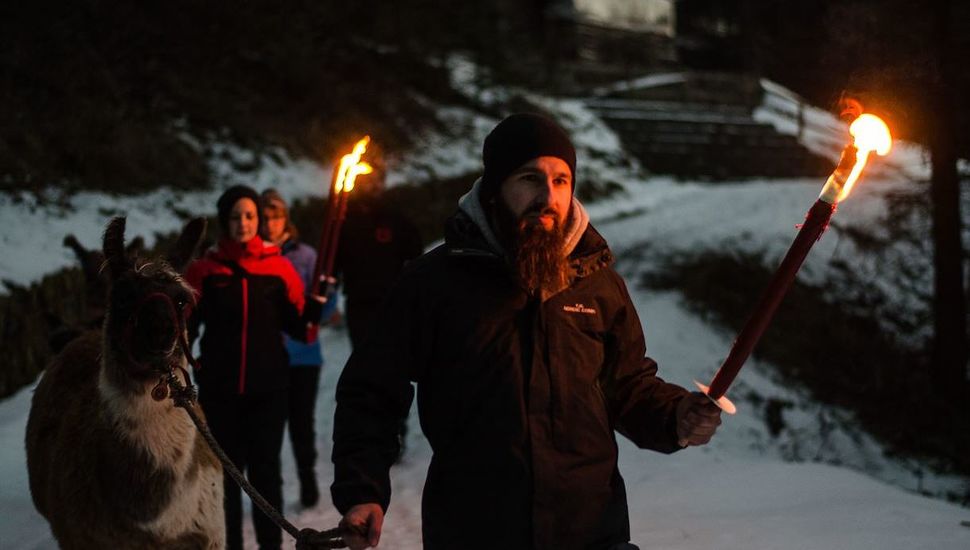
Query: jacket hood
{"x": 470, "y": 204}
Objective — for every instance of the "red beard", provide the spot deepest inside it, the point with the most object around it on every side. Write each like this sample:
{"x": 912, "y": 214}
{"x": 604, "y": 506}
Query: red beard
{"x": 536, "y": 252}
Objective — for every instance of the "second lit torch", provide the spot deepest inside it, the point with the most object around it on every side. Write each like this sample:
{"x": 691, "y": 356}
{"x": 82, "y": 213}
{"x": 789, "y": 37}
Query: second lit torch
{"x": 341, "y": 183}
{"x": 870, "y": 135}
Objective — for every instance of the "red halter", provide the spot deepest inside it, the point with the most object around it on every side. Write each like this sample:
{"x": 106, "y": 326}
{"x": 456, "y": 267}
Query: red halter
{"x": 160, "y": 391}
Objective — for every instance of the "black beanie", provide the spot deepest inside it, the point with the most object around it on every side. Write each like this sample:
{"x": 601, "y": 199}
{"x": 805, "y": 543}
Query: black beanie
{"x": 517, "y": 140}
{"x": 229, "y": 198}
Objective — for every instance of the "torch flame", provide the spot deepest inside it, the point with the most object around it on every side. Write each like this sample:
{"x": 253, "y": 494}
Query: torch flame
{"x": 358, "y": 169}
{"x": 351, "y": 166}
{"x": 871, "y": 135}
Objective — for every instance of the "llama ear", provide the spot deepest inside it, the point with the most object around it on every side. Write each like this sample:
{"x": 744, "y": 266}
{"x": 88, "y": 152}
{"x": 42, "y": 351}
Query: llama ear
{"x": 188, "y": 241}
{"x": 136, "y": 246}
{"x": 114, "y": 247}
{"x": 90, "y": 260}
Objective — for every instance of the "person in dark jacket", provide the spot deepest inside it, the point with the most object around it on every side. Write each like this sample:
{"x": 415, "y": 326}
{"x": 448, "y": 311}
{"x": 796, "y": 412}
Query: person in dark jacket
{"x": 247, "y": 293}
{"x": 306, "y": 358}
{"x": 528, "y": 356}
{"x": 376, "y": 241}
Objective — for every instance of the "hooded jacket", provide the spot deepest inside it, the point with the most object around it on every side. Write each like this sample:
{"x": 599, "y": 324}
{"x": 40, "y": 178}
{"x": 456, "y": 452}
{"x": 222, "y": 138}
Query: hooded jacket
{"x": 246, "y": 294}
{"x": 304, "y": 260}
{"x": 518, "y": 396}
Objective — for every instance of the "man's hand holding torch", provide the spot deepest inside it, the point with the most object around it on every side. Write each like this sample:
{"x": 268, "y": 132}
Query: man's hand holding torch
{"x": 697, "y": 419}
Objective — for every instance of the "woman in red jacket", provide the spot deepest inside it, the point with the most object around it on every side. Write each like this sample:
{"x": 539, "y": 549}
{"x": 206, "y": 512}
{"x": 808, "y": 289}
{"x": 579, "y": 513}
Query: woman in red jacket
{"x": 247, "y": 293}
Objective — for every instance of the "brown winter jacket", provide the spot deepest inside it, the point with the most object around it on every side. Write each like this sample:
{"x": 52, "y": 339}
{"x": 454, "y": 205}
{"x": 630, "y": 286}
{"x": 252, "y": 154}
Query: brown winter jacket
{"x": 518, "y": 399}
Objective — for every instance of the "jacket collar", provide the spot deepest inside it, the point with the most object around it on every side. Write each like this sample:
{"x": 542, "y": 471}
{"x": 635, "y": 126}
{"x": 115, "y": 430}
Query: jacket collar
{"x": 255, "y": 248}
{"x": 470, "y": 203}
{"x": 288, "y": 244}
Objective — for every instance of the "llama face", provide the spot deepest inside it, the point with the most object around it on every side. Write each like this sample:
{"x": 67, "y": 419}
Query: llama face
{"x": 146, "y": 319}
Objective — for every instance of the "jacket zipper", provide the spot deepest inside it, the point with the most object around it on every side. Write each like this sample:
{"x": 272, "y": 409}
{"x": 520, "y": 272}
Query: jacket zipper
{"x": 555, "y": 399}
{"x": 245, "y": 326}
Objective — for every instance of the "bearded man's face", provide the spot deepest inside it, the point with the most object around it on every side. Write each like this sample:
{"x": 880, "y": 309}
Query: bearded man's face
{"x": 533, "y": 206}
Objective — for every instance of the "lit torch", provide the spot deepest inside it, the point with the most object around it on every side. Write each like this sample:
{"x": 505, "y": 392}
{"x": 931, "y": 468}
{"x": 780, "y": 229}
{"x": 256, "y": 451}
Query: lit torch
{"x": 870, "y": 135}
{"x": 341, "y": 184}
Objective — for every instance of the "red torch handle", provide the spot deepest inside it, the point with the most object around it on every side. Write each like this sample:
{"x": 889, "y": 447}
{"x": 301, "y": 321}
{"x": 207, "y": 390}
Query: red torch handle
{"x": 341, "y": 215}
{"x": 328, "y": 222}
{"x": 816, "y": 221}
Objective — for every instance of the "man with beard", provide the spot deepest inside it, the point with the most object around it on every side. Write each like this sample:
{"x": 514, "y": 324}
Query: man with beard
{"x": 528, "y": 356}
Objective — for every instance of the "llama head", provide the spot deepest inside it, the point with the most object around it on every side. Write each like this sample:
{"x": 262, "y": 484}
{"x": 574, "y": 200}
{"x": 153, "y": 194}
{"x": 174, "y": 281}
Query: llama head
{"x": 147, "y": 304}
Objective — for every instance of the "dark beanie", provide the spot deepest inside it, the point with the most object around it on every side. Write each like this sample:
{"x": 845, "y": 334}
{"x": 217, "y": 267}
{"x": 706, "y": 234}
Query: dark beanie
{"x": 229, "y": 198}
{"x": 517, "y": 140}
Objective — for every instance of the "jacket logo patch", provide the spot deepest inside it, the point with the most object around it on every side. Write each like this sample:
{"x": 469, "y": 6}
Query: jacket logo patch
{"x": 579, "y": 308}
{"x": 383, "y": 235}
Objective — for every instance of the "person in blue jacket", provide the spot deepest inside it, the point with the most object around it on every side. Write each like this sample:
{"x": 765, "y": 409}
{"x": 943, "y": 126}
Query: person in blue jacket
{"x": 306, "y": 359}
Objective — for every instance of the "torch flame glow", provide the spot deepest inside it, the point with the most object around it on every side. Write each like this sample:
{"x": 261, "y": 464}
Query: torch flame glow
{"x": 871, "y": 135}
{"x": 351, "y": 166}
{"x": 358, "y": 169}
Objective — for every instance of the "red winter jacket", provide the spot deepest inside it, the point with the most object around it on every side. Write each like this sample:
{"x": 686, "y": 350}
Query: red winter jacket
{"x": 247, "y": 293}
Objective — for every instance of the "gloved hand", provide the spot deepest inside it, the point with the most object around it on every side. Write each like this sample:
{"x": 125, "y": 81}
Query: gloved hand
{"x": 313, "y": 308}
{"x": 697, "y": 419}
{"x": 363, "y": 523}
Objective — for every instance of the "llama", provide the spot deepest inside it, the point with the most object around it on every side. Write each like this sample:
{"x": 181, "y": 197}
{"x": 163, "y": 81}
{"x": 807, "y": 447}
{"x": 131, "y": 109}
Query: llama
{"x": 111, "y": 465}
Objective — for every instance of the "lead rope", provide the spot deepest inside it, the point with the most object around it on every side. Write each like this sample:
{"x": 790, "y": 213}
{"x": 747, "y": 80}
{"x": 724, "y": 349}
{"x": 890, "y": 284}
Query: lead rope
{"x": 186, "y": 397}
{"x": 307, "y": 538}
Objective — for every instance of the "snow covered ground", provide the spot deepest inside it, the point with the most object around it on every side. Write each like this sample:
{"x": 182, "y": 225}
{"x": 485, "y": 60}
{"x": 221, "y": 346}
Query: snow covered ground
{"x": 811, "y": 486}
{"x": 737, "y": 493}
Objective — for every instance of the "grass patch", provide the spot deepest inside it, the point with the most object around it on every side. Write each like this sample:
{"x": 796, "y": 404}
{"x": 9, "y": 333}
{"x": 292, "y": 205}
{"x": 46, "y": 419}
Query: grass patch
{"x": 30, "y": 316}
